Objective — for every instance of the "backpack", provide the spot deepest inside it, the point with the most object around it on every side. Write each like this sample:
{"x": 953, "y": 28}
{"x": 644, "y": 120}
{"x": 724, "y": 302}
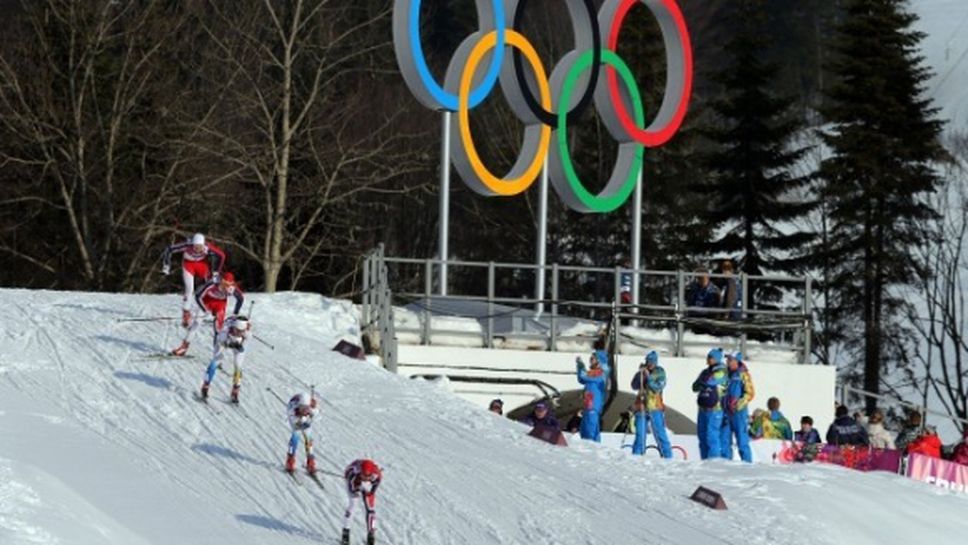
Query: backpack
{"x": 708, "y": 397}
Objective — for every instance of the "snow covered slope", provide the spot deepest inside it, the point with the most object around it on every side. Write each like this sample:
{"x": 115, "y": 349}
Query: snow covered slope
{"x": 99, "y": 445}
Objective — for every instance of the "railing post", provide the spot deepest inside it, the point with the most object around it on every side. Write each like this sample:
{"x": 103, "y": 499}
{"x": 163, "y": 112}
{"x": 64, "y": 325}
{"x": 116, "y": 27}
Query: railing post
{"x": 680, "y": 311}
{"x": 428, "y": 289}
{"x": 365, "y": 303}
{"x": 489, "y": 341}
{"x": 808, "y": 320}
{"x": 554, "y": 308}
{"x": 744, "y": 304}
{"x": 617, "y": 292}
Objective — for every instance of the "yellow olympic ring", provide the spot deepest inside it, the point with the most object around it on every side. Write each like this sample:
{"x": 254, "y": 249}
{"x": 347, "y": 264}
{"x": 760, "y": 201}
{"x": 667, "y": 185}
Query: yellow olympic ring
{"x": 498, "y": 185}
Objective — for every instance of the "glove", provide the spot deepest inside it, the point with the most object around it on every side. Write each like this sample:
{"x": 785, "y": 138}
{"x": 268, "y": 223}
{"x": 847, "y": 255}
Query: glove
{"x": 166, "y": 270}
{"x": 366, "y": 487}
{"x": 216, "y": 276}
{"x": 579, "y": 365}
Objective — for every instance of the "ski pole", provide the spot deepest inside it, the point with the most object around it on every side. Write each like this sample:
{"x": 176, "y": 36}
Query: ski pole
{"x": 277, "y": 396}
{"x": 256, "y": 337}
{"x": 153, "y": 319}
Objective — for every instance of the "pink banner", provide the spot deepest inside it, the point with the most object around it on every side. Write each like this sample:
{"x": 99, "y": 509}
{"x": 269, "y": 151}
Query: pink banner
{"x": 859, "y": 458}
{"x": 941, "y": 473}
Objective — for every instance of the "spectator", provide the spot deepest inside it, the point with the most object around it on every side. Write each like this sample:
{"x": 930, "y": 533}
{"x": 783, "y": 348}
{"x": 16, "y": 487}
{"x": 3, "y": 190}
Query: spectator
{"x": 497, "y": 407}
{"x": 541, "y": 416}
{"x": 928, "y": 444}
{"x": 807, "y": 434}
{"x": 960, "y": 455}
{"x": 625, "y": 283}
{"x": 845, "y": 430}
{"x": 877, "y": 435}
{"x": 624, "y": 422}
{"x": 710, "y": 385}
{"x": 739, "y": 393}
{"x": 732, "y": 292}
{"x": 910, "y": 432}
{"x": 861, "y": 418}
{"x": 650, "y": 381}
{"x": 701, "y": 293}
{"x": 574, "y": 423}
{"x": 772, "y": 424}
{"x": 595, "y": 381}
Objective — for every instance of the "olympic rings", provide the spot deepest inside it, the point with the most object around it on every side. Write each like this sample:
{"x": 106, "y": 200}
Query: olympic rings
{"x": 679, "y": 72}
{"x": 413, "y": 64}
{"x": 582, "y": 40}
{"x": 464, "y": 89}
{"x": 519, "y": 181}
{"x": 617, "y": 190}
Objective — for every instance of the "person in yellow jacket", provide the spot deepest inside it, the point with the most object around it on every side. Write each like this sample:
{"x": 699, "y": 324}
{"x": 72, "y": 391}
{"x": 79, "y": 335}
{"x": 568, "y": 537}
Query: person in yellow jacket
{"x": 739, "y": 393}
{"x": 650, "y": 381}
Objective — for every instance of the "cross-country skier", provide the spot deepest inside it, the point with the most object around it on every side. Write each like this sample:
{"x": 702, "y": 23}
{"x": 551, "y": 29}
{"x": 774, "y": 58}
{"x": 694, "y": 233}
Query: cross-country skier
{"x": 196, "y": 253}
{"x": 213, "y": 298}
{"x": 362, "y": 479}
{"x": 232, "y": 338}
{"x": 302, "y": 409}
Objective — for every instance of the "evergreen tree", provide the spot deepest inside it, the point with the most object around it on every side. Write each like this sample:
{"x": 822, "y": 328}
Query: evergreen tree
{"x": 754, "y": 195}
{"x": 883, "y": 137}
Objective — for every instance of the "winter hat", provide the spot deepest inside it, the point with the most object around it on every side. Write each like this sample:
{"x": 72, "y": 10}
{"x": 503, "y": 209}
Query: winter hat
{"x": 716, "y": 354}
{"x": 198, "y": 239}
{"x": 541, "y": 405}
{"x": 738, "y": 356}
{"x": 652, "y": 357}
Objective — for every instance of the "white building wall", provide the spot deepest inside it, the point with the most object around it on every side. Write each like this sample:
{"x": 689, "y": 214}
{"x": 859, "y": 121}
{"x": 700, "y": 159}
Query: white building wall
{"x": 802, "y": 389}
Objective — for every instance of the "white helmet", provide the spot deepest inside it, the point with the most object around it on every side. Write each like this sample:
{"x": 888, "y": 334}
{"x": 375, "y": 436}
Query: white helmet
{"x": 240, "y": 323}
{"x": 198, "y": 239}
{"x": 303, "y": 400}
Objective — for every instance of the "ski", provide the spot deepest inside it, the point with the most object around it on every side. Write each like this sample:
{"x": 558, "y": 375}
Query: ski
{"x": 166, "y": 356}
{"x": 316, "y": 480}
{"x": 292, "y": 474}
{"x": 198, "y": 397}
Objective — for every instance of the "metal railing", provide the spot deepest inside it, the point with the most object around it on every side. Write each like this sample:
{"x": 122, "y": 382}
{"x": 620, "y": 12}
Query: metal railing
{"x": 376, "y": 310}
{"x": 413, "y": 280}
{"x": 845, "y": 390}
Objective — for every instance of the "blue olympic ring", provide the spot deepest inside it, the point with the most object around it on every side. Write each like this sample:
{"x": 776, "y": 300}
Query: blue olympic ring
{"x": 447, "y": 100}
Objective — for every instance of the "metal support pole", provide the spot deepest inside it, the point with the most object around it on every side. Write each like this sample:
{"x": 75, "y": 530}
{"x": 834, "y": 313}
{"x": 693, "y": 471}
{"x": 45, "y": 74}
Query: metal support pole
{"x": 489, "y": 342}
{"x": 808, "y": 320}
{"x": 554, "y": 307}
{"x": 680, "y": 311}
{"x": 542, "y": 242}
{"x": 444, "y": 234}
{"x": 636, "y": 242}
{"x": 428, "y": 288}
{"x": 744, "y": 282}
{"x": 365, "y": 303}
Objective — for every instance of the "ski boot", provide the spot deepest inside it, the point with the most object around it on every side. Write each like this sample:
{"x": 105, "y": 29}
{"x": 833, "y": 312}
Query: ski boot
{"x": 311, "y": 465}
{"x": 235, "y": 393}
{"x": 186, "y": 318}
{"x": 205, "y": 390}
{"x": 290, "y": 463}
{"x": 181, "y": 350}
{"x": 346, "y": 537}
{"x": 370, "y": 538}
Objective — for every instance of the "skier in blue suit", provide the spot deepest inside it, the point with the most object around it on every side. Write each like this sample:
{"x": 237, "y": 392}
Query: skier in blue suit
{"x": 595, "y": 381}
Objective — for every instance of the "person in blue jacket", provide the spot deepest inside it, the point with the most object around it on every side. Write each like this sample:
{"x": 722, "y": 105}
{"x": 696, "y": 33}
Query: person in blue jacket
{"x": 650, "y": 381}
{"x": 595, "y": 381}
{"x": 710, "y": 387}
{"x": 739, "y": 393}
